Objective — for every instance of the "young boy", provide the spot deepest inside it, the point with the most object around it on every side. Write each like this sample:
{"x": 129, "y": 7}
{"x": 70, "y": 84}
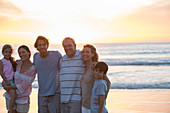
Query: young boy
{"x": 99, "y": 88}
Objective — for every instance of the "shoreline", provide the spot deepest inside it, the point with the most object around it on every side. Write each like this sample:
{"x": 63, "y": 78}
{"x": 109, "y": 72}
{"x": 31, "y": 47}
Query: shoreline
{"x": 119, "y": 101}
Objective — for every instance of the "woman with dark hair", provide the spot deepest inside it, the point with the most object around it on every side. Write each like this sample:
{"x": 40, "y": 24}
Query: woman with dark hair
{"x": 90, "y": 58}
{"x": 23, "y": 78}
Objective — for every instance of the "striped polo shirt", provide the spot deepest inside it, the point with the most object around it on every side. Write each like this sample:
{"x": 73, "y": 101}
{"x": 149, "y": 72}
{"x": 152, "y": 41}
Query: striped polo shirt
{"x": 71, "y": 71}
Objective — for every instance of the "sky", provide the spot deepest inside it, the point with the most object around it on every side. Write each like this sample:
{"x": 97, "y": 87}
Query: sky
{"x": 87, "y": 21}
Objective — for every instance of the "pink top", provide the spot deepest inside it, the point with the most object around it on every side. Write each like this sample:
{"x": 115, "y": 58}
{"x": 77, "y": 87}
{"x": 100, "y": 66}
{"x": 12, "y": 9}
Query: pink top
{"x": 23, "y": 82}
{"x": 7, "y": 69}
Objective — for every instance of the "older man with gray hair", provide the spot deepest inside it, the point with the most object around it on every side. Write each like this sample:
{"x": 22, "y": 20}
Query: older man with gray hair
{"x": 71, "y": 71}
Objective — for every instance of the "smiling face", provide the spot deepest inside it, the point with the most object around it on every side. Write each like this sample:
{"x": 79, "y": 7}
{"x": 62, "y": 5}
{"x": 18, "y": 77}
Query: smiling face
{"x": 87, "y": 54}
{"x": 42, "y": 46}
{"x": 98, "y": 74}
{"x": 69, "y": 48}
{"x": 7, "y": 53}
{"x": 23, "y": 54}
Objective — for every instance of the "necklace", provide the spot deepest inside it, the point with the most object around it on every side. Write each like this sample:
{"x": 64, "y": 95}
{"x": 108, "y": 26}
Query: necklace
{"x": 88, "y": 67}
{"x": 25, "y": 67}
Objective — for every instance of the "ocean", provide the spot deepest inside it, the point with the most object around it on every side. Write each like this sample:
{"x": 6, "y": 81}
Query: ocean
{"x": 131, "y": 65}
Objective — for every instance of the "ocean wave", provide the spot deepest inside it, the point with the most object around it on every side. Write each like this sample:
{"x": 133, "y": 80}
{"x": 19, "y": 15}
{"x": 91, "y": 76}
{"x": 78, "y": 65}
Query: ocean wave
{"x": 137, "y": 61}
{"x": 165, "y": 85}
{"x": 135, "y": 53}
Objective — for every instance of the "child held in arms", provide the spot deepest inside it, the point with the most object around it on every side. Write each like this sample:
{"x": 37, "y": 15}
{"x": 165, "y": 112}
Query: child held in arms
{"x": 99, "y": 88}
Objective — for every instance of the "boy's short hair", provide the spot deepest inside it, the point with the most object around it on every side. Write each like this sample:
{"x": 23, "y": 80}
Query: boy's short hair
{"x": 41, "y": 38}
{"x": 102, "y": 66}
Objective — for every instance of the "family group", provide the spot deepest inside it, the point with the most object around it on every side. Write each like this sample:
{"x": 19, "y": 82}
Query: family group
{"x": 73, "y": 83}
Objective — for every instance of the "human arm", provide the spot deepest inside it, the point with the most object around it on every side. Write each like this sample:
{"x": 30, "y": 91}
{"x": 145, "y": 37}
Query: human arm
{"x": 108, "y": 85}
{"x": 34, "y": 58}
{"x": 2, "y": 75}
{"x": 10, "y": 87}
{"x": 101, "y": 103}
{"x": 59, "y": 61}
{"x": 29, "y": 77}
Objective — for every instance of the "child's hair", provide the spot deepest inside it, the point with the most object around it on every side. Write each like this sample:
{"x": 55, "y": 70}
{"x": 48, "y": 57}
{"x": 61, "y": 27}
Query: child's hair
{"x": 102, "y": 66}
{"x": 12, "y": 60}
{"x": 6, "y": 46}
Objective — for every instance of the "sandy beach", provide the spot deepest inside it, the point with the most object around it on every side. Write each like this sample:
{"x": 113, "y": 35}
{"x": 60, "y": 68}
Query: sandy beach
{"x": 120, "y": 101}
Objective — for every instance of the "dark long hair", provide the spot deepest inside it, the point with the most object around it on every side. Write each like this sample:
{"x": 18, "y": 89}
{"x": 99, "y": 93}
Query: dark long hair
{"x": 11, "y": 59}
{"x": 26, "y": 48}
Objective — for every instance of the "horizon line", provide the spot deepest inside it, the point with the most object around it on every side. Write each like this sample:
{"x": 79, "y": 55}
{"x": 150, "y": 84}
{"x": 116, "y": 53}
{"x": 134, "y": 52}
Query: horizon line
{"x": 94, "y": 43}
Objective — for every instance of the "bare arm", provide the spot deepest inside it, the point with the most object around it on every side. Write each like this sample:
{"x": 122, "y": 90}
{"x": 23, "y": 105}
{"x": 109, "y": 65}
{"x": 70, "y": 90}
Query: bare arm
{"x": 101, "y": 103}
{"x": 10, "y": 87}
{"x": 108, "y": 85}
{"x": 2, "y": 74}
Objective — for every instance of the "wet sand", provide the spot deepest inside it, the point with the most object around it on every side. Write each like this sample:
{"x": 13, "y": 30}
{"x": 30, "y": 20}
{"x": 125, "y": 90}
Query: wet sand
{"x": 119, "y": 101}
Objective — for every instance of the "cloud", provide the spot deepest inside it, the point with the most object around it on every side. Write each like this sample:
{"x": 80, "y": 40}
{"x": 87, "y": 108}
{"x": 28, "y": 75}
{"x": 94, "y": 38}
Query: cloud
{"x": 157, "y": 14}
{"x": 98, "y": 19}
{"x": 8, "y": 12}
{"x": 7, "y": 8}
{"x": 12, "y": 18}
{"x": 149, "y": 19}
{"x": 149, "y": 23}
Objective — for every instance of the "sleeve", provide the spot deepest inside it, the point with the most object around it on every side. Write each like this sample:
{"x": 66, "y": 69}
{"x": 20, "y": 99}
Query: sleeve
{"x": 34, "y": 58}
{"x": 59, "y": 58}
{"x": 101, "y": 89}
{"x": 29, "y": 78}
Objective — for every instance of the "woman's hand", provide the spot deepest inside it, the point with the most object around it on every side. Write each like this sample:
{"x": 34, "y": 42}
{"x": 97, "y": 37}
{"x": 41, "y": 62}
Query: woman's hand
{"x": 9, "y": 87}
{"x": 7, "y": 83}
{"x": 6, "y": 87}
{"x": 3, "y": 84}
{"x": 97, "y": 101}
{"x": 93, "y": 65}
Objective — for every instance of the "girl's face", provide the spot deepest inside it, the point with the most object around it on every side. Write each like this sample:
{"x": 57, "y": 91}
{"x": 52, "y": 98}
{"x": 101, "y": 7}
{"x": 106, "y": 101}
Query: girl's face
{"x": 23, "y": 54}
{"x": 7, "y": 53}
{"x": 87, "y": 54}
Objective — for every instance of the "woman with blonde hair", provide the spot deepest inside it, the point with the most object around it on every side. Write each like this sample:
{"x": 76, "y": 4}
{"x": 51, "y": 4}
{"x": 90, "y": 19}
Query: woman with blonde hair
{"x": 90, "y": 58}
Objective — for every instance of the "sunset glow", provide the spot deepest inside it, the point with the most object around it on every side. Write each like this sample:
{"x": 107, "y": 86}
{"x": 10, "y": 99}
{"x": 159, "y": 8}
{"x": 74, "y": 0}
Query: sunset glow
{"x": 97, "y": 21}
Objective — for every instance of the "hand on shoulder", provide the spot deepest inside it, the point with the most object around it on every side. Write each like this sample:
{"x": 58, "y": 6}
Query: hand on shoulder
{"x": 93, "y": 65}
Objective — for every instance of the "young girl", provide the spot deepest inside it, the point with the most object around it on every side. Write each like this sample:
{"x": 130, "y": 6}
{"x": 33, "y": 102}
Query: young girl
{"x": 7, "y": 69}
